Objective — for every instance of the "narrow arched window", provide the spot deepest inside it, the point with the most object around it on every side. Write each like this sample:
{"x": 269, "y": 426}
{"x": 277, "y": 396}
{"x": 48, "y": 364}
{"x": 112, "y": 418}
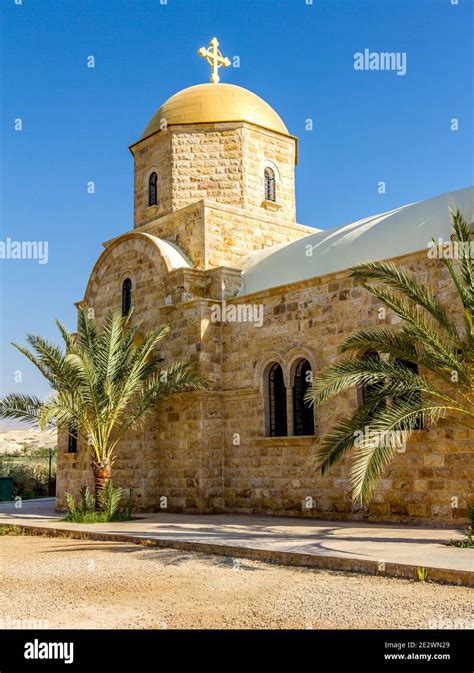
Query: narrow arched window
{"x": 269, "y": 185}
{"x": 153, "y": 190}
{"x": 414, "y": 397}
{"x": 277, "y": 421}
{"x": 126, "y": 296}
{"x": 303, "y": 415}
{"x": 72, "y": 439}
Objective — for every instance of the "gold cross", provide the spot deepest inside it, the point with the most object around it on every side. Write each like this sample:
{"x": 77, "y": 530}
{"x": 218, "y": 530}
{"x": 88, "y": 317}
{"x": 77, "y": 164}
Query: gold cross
{"x": 214, "y": 58}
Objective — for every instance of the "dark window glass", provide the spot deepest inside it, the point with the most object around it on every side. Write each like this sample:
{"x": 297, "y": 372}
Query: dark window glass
{"x": 277, "y": 402}
{"x": 72, "y": 439}
{"x": 415, "y": 397}
{"x": 269, "y": 185}
{"x": 372, "y": 388}
{"x": 303, "y": 415}
{"x": 126, "y": 296}
{"x": 153, "y": 190}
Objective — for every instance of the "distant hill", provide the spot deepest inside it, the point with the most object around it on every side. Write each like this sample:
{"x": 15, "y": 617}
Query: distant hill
{"x": 12, "y": 441}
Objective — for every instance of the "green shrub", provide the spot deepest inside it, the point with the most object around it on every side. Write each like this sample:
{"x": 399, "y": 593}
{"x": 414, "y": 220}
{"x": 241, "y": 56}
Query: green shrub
{"x": 30, "y": 472}
{"x": 422, "y": 574}
{"x": 83, "y": 511}
{"x": 111, "y": 497}
{"x": 12, "y": 530}
{"x": 467, "y": 541}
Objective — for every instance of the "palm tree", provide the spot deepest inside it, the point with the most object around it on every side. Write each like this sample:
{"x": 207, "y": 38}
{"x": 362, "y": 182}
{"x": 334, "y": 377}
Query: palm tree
{"x": 411, "y": 376}
{"x": 105, "y": 382}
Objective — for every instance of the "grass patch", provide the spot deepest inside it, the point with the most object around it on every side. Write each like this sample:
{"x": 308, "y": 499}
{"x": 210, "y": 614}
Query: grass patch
{"x": 95, "y": 517}
{"x": 421, "y": 574}
{"x": 466, "y": 542}
{"x": 12, "y": 530}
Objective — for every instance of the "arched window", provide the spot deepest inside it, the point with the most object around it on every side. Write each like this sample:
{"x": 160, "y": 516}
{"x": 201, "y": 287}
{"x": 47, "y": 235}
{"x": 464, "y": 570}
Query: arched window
{"x": 126, "y": 296}
{"x": 153, "y": 190}
{"x": 72, "y": 439}
{"x": 277, "y": 422}
{"x": 269, "y": 185}
{"x": 303, "y": 415}
{"x": 415, "y": 397}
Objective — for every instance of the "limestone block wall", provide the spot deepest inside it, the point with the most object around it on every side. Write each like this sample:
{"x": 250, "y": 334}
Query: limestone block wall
{"x": 152, "y": 154}
{"x": 208, "y": 451}
{"x": 232, "y": 234}
{"x": 207, "y": 163}
{"x": 223, "y": 163}
{"x": 212, "y": 234}
{"x": 176, "y": 458}
{"x": 268, "y": 149}
{"x": 278, "y": 475}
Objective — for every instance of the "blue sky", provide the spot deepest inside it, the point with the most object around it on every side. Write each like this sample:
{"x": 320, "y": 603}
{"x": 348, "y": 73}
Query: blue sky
{"x": 368, "y": 126}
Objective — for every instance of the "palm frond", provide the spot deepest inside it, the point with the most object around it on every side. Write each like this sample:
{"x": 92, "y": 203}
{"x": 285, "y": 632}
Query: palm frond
{"x": 400, "y": 279}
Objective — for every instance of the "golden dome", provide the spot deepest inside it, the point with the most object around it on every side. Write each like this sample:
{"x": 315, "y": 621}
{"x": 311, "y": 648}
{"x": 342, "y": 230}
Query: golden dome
{"x": 209, "y": 103}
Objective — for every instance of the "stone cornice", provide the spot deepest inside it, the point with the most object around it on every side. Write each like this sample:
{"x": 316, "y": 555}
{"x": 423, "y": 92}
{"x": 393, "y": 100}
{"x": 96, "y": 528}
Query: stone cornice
{"x": 203, "y": 204}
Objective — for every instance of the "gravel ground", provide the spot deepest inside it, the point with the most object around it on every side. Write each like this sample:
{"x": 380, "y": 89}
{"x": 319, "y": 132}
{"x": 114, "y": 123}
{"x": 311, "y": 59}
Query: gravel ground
{"x": 87, "y": 584}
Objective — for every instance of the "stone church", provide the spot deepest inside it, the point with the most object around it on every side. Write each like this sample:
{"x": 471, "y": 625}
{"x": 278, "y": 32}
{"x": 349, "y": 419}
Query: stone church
{"x": 257, "y": 303}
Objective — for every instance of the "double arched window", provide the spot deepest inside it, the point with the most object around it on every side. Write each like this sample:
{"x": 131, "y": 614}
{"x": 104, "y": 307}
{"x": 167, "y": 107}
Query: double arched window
{"x": 281, "y": 401}
{"x": 126, "y": 296}
{"x": 153, "y": 189}
{"x": 269, "y": 179}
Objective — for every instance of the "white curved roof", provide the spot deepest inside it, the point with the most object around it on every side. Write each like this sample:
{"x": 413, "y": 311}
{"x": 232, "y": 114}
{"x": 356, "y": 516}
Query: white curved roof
{"x": 175, "y": 256}
{"x": 397, "y": 232}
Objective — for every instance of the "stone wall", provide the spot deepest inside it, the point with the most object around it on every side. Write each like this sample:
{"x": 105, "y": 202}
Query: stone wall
{"x": 212, "y": 234}
{"x": 279, "y": 475}
{"x": 223, "y": 163}
{"x": 208, "y": 451}
{"x": 177, "y": 456}
{"x": 153, "y": 154}
{"x": 265, "y": 148}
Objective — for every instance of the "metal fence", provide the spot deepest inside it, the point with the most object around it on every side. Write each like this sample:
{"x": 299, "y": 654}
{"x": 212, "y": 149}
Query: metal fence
{"x": 33, "y": 474}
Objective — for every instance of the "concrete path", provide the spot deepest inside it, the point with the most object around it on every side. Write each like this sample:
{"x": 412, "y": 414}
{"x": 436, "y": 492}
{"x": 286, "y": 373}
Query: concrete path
{"x": 389, "y": 549}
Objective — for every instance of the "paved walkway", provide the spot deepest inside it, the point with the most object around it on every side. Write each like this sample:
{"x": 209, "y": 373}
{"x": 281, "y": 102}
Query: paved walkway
{"x": 366, "y": 547}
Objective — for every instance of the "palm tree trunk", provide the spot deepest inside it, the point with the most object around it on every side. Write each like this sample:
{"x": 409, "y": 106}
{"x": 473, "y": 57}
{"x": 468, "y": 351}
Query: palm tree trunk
{"x": 102, "y": 472}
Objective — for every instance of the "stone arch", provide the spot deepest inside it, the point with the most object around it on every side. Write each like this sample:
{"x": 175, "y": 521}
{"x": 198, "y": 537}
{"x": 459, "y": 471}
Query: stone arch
{"x": 163, "y": 254}
{"x": 268, "y": 163}
{"x": 261, "y": 374}
{"x": 291, "y": 360}
{"x": 154, "y": 168}
{"x": 262, "y": 366}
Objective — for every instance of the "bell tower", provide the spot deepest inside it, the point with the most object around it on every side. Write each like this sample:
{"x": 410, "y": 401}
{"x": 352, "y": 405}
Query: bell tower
{"x": 217, "y": 142}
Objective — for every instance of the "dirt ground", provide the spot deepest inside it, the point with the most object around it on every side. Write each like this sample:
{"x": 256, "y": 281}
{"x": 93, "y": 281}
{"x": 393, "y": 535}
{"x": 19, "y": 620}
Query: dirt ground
{"x": 86, "y": 584}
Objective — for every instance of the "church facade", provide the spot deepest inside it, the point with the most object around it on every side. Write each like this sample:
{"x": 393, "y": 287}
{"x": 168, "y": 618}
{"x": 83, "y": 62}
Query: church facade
{"x": 258, "y": 303}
